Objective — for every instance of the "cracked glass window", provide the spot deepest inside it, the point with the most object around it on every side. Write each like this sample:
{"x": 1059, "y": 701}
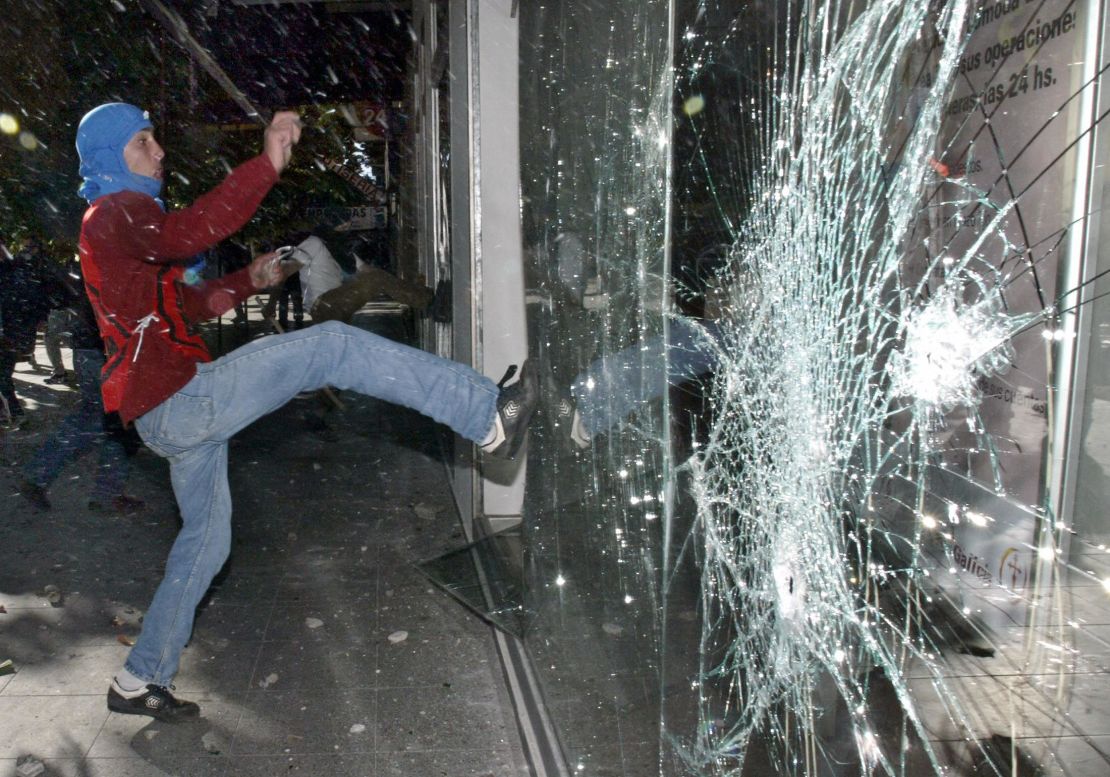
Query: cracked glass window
{"x": 818, "y": 292}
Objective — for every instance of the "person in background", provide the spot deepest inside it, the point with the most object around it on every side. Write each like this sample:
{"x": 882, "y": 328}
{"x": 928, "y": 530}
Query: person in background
{"x": 291, "y": 297}
{"x": 85, "y": 428}
{"x": 27, "y": 294}
{"x": 333, "y": 295}
{"x": 58, "y": 333}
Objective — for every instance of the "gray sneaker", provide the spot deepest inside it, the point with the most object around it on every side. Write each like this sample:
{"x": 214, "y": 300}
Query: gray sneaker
{"x": 515, "y": 407}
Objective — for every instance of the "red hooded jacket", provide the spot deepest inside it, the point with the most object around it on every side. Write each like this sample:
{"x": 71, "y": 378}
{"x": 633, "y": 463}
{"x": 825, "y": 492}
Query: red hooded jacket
{"x": 133, "y": 257}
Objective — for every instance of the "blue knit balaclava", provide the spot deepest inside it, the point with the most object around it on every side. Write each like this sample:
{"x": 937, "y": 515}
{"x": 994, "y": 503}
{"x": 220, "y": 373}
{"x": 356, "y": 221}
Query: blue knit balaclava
{"x": 101, "y": 136}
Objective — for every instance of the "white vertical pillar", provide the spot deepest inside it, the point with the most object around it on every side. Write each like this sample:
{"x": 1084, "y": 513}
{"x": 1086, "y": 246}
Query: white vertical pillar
{"x": 500, "y": 282}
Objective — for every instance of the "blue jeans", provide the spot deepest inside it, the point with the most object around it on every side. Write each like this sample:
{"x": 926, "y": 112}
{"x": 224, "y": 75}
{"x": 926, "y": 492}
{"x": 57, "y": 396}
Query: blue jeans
{"x": 79, "y": 432}
{"x": 192, "y": 428}
{"x": 619, "y": 383}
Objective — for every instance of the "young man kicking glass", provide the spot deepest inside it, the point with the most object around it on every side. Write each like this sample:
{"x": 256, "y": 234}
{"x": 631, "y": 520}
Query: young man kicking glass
{"x": 159, "y": 375}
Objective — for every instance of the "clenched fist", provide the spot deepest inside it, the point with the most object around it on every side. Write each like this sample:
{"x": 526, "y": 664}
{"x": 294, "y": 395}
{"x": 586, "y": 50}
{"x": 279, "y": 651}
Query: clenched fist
{"x": 280, "y": 137}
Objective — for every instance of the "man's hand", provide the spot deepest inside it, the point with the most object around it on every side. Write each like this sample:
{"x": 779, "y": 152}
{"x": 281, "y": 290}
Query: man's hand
{"x": 267, "y": 270}
{"x": 280, "y": 137}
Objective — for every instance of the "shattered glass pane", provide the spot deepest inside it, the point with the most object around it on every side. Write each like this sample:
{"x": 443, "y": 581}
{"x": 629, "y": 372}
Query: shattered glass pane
{"x": 486, "y": 576}
{"x": 813, "y": 514}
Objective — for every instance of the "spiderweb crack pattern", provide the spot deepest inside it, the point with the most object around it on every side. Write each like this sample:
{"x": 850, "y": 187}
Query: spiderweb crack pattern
{"x": 803, "y": 402}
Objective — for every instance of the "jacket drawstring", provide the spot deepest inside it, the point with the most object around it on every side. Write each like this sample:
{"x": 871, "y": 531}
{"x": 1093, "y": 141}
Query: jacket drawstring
{"x": 140, "y": 329}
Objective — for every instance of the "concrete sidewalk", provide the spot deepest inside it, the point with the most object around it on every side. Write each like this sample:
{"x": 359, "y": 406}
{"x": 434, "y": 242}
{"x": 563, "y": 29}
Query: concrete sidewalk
{"x": 319, "y": 650}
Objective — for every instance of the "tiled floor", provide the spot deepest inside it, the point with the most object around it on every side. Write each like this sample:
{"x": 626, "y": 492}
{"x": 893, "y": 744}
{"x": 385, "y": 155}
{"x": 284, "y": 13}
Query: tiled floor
{"x": 298, "y": 659}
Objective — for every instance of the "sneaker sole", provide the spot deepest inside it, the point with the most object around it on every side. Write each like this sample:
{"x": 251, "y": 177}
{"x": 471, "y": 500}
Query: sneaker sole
{"x": 114, "y": 706}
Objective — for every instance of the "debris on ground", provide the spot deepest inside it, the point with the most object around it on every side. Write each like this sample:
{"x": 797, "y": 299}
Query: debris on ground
{"x": 53, "y": 595}
{"x": 29, "y": 766}
{"x": 211, "y": 742}
{"x": 425, "y": 512}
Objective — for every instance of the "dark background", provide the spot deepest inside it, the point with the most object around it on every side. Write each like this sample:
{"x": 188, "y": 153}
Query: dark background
{"x": 59, "y": 59}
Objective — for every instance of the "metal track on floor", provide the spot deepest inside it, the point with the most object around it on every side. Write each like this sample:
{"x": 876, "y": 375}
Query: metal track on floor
{"x": 541, "y": 743}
